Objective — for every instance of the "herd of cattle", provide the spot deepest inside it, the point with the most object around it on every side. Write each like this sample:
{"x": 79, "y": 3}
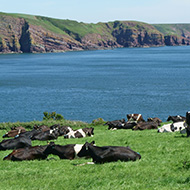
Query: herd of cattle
{"x": 23, "y": 150}
{"x": 136, "y": 122}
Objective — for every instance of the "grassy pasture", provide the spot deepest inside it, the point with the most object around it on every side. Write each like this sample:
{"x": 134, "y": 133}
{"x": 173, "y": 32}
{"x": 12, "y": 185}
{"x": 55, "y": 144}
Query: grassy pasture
{"x": 165, "y": 164}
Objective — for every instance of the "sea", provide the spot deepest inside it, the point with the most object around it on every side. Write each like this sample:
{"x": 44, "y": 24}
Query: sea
{"x": 86, "y": 85}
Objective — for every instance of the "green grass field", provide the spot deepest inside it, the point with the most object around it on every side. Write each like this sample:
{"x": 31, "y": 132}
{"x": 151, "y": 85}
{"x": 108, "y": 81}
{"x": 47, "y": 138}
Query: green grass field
{"x": 165, "y": 164}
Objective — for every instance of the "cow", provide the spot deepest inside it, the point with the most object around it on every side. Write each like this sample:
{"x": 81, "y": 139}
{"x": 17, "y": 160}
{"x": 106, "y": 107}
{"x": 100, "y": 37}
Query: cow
{"x": 104, "y": 154}
{"x": 17, "y": 142}
{"x": 115, "y": 124}
{"x": 27, "y": 153}
{"x": 47, "y": 135}
{"x": 173, "y": 127}
{"x": 29, "y": 134}
{"x": 63, "y": 130}
{"x": 165, "y": 128}
{"x": 135, "y": 117}
{"x": 42, "y": 128}
{"x": 188, "y": 123}
{"x": 14, "y": 131}
{"x": 155, "y": 119}
{"x": 69, "y": 151}
{"x": 178, "y": 126}
{"x": 80, "y": 133}
{"x": 146, "y": 125}
{"x": 176, "y": 118}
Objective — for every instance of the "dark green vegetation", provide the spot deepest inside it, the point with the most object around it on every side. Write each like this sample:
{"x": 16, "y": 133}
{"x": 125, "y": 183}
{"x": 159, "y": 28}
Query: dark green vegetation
{"x": 29, "y": 33}
{"x": 165, "y": 163}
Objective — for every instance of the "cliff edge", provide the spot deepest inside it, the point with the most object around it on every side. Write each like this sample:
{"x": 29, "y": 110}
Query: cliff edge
{"x": 21, "y": 33}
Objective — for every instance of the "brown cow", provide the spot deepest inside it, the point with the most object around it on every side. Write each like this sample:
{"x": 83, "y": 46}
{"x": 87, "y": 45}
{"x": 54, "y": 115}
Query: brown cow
{"x": 14, "y": 131}
{"x": 146, "y": 125}
{"x": 28, "y": 153}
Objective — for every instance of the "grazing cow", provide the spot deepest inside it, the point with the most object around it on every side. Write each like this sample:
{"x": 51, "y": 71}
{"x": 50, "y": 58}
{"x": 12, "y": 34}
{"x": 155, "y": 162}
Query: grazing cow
{"x": 108, "y": 153}
{"x": 27, "y": 153}
{"x": 176, "y": 118}
{"x": 80, "y": 133}
{"x": 146, "y": 125}
{"x": 69, "y": 151}
{"x": 155, "y": 119}
{"x": 18, "y": 142}
{"x": 45, "y": 136}
{"x": 135, "y": 117}
{"x": 173, "y": 127}
{"x": 14, "y": 131}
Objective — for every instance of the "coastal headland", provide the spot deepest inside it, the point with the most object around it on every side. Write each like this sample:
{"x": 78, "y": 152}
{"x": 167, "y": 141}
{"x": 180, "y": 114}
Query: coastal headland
{"x": 20, "y": 33}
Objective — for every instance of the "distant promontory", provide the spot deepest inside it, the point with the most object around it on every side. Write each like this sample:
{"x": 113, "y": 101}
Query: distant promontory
{"x": 20, "y": 33}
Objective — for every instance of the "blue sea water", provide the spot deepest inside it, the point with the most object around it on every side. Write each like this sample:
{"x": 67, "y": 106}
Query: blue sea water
{"x": 86, "y": 85}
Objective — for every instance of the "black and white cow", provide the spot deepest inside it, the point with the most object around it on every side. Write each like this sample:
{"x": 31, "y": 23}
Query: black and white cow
{"x": 173, "y": 127}
{"x": 80, "y": 133}
{"x": 108, "y": 153}
{"x": 47, "y": 135}
{"x": 17, "y": 142}
{"x": 176, "y": 118}
{"x": 115, "y": 124}
{"x": 135, "y": 117}
{"x": 69, "y": 151}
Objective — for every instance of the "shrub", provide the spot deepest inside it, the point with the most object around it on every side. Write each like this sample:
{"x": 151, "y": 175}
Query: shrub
{"x": 52, "y": 116}
{"x": 98, "y": 121}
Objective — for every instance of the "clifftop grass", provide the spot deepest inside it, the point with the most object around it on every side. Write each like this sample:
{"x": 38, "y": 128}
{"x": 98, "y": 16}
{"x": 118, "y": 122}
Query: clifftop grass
{"x": 165, "y": 164}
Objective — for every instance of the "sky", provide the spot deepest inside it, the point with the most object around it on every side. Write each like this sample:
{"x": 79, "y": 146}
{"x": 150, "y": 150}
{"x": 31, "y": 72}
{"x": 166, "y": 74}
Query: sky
{"x": 94, "y": 11}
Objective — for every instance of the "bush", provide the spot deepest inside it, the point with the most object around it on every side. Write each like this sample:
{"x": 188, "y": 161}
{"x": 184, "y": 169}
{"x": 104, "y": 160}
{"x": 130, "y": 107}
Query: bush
{"x": 98, "y": 121}
{"x": 52, "y": 116}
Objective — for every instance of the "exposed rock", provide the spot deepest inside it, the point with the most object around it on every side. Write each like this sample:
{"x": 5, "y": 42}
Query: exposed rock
{"x": 40, "y": 34}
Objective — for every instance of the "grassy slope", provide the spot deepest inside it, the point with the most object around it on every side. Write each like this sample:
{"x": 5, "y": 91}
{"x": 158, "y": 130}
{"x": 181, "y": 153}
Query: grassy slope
{"x": 161, "y": 167}
{"x": 172, "y": 29}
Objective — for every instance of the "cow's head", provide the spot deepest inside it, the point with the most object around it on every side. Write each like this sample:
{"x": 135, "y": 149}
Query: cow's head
{"x": 50, "y": 148}
{"x": 84, "y": 152}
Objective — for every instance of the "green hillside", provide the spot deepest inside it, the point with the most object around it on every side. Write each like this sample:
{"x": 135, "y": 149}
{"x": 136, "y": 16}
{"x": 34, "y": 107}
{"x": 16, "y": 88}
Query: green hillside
{"x": 30, "y": 33}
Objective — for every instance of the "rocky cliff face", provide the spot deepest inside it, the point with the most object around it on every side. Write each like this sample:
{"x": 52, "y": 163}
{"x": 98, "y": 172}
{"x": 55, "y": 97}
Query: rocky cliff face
{"x": 19, "y": 35}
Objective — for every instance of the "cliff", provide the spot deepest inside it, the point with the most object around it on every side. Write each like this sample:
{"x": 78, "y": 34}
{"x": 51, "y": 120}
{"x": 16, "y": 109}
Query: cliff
{"x": 29, "y": 34}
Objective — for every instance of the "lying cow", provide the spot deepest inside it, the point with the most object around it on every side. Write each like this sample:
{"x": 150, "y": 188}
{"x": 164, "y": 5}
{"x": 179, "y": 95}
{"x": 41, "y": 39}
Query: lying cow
{"x": 69, "y": 151}
{"x": 108, "y": 153}
{"x": 126, "y": 125}
{"x": 18, "y": 142}
{"x": 173, "y": 127}
{"x": 80, "y": 133}
{"x": 63, "y": 130}
{"x": 45, "y": 136}
{"x": 27, "y": 153}
{"x": 188, "y": 123}
{"x": 176, "y": 118}
{"x": 115, "y": 124}
{"x": 14, "y": 131}
{"x": 155, "y": 119}
{"x": 135, "y": 117}
{"x": 146, "y": 125}
{"x": 42, "y": 128}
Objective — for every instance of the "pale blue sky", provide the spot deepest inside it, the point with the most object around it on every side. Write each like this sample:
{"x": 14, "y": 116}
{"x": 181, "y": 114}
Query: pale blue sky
{"x": 150, "y": 11}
